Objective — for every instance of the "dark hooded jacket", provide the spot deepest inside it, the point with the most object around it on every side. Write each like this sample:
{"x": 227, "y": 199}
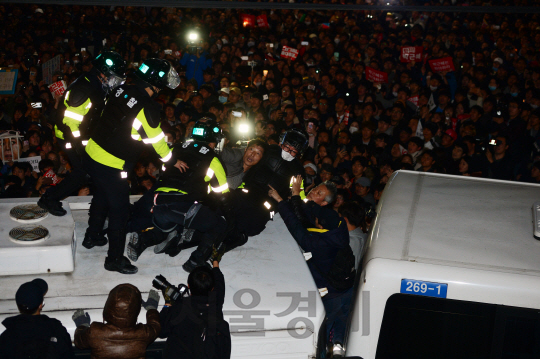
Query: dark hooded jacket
{"x": 34, "y": 336}
{"x": 120, "y": 336}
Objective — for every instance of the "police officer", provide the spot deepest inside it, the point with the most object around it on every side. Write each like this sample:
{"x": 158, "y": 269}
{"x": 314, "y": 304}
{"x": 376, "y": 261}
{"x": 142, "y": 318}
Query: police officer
{"x": 252, "y": 205}
{"x": 188, "y": 197}
{"x": 81, "y": 103}
{"x": 129, "y": 121}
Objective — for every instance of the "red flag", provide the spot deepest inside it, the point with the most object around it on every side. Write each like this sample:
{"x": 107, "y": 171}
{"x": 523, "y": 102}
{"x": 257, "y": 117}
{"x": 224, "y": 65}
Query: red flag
{"x": 247, "y": 20}
{"x": 376, "y": 75}
{"x": 411, "y": 53}
{"x": 262, "y": 21}
{"x": 289, "y": 53}
{"x": 444, "y": 64}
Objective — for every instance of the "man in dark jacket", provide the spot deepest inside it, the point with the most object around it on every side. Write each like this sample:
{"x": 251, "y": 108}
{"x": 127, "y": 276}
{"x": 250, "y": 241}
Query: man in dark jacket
{"x": 331, "y": 260}
{"x": 119, "y": 336}
{"x": 32, "y": 334}
{"x": 184, "y": 321}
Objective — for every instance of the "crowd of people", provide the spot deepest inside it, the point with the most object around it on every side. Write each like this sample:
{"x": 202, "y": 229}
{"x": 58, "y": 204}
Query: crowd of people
{"x": 264, "y": 75}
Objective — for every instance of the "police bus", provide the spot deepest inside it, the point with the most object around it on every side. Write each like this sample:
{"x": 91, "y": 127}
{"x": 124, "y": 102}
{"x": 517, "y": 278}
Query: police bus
{"x": 452, "y": 270}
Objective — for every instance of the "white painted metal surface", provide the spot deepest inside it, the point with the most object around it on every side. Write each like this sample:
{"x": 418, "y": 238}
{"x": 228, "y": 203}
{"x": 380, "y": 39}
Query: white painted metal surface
{"x": 54, "y": 254}
{"x": 262, "y": 279}
{"x": 475, "y": 235}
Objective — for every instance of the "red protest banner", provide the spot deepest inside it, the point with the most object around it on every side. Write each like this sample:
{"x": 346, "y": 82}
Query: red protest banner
{"x": 376, "y": 75}
{"x": 413, "y": 99}
{"x": 58, "y": 88}
{"x": 440, "y": 65}
{"x": 262, "y": 21}
{"x": 289, "y": 53}
{"x": 411, "y": 53}
{"x": 247, "y": 20}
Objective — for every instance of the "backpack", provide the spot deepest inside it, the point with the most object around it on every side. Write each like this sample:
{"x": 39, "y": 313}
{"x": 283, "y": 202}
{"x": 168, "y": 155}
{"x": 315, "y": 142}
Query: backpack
{"x": 342, "y": 272}
{"x": 210, "y": 335}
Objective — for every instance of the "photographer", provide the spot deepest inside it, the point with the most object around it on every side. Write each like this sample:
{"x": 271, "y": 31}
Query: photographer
{"x": 194, "y": 326}
{"x": 196, "y": 62}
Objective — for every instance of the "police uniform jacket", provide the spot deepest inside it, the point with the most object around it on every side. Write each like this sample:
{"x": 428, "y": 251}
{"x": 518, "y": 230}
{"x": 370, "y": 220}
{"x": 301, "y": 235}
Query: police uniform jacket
{"x": 129, "y": 121}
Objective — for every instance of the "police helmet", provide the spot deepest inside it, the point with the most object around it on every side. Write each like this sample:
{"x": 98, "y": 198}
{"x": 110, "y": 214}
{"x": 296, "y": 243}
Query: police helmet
{"x": 295, "y": 138}
{"x": 207, "y": 129}
{"x": 158, "y": 73}
{"x": 113, "y": 66}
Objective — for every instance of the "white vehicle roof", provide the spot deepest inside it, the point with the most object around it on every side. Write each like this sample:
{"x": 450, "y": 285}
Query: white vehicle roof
{"x": 269, "y": 264}
{"x": 473, "y": 235}
{"x": 457, "y": 221}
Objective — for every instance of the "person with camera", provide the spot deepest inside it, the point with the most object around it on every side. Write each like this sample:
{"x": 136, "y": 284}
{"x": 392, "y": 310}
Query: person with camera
{"x": 129, "y": 122}
{"x": 194, "y": 325}
{"x": 32, "y": 334}
{"x": 119, "y": 336}
{"x": 196, "y": 62}
{"x": 182, "y": 199}
{"x": 76, "y": 116}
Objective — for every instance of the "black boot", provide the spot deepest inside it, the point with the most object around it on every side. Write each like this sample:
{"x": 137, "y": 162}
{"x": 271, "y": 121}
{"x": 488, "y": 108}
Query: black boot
{"x": 139, "y": 241}
{"x": 92, "y": 240}
{"x": 234, "y": 239}
{"x": 115, "y": 260}
{"x": 54, "y": 207}
{"x": 167, "y": 243}
{"x": 120, "y": 265}
{"x": 199, "y": 257}
{"x": 95, "y": 234}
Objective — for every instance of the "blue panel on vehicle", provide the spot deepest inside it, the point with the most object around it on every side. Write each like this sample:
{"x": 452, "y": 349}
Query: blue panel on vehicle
{"x": 427, "y": 289}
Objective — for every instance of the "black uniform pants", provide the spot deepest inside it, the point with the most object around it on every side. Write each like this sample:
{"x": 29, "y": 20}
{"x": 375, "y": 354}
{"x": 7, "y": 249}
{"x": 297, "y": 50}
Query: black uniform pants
{"x": 111, "y": 199}
{"x": 207, "y": 221}
{"x": 141, "y": 217}
{"x": 73, "y": 181}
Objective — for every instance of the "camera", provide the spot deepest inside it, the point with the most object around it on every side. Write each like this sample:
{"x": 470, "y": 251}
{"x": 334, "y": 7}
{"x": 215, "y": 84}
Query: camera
{"x": 168, "y": 52}
{"x": 252, "y": 63}
{"x": 170, "y": 292}
{"x": 36, "y": 104}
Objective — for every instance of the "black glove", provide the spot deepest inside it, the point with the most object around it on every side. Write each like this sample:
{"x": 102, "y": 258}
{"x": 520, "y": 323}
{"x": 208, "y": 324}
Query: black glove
{"x": 153, "y": 300}
{"x": 81, "y": 318}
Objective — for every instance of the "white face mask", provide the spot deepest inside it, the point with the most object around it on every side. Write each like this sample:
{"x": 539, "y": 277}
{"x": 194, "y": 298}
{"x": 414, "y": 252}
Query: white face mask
{"x": 336, "y": 40}
{"x": 251, "y": 43}
{"x": 224, "y": 41}
{"x": 286, "y": 156}
{"x": 433, "y": 88}
{"x": 218, "y": 46}
{"x": 353, "y": 129}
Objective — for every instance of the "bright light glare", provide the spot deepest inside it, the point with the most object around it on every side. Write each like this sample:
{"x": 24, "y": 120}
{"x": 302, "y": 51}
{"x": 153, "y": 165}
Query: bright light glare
{"x": 193, "y": 36}
{"x": 243, "y": 128}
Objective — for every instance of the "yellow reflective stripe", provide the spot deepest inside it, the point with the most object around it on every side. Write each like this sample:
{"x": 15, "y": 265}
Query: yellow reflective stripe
{"x": 89, "y": 106}
{"x": 220, "y": 188}
{"x": 154, "y": 134}
{"x": 136, "y": 137}
{"x": 67, "y": 95}
{"x": 167, "y": 158}
{"x": 98, "y": 154}
{"x": 154, "y": 139}
{"x": 267, "y": 205}
{"x": 169, "y": 189}
{"x": 219, "y": 172}
{"x": 73, "y": 115}
{"x": 76, "y": 133}
{"x": 317, "y": 230}
{"x": 210, "y": 173}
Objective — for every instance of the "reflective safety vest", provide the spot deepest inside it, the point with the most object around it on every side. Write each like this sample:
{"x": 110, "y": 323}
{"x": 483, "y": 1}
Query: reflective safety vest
{"x": 129, "y": 121}
{"x": 204, "y": 175}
